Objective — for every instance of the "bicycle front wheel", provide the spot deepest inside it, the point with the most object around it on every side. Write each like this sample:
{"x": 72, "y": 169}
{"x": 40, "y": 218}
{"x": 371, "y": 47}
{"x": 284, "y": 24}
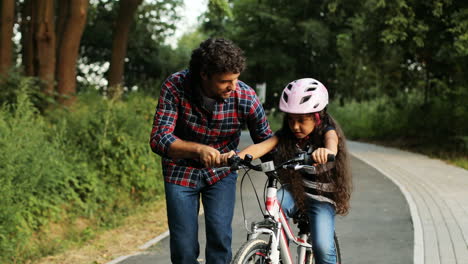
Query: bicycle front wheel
{"x": 252, "y": 252}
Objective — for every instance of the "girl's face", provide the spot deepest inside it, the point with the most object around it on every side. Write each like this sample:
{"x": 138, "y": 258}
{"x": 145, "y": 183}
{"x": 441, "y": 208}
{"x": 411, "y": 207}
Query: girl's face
{"x": 301, "y": 124}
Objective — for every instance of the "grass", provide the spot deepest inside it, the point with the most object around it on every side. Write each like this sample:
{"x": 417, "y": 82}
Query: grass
{"x": 148, "y": 222}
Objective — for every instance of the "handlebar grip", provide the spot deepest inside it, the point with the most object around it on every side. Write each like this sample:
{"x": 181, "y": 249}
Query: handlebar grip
{"x": 309, "y": 160}
{"x": 234, "y": 162}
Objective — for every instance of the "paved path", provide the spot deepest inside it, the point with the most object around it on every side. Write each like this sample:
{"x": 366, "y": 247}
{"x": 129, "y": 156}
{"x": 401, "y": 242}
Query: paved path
{"x": 437, "y": 195}
{"x": 416, "y": 213}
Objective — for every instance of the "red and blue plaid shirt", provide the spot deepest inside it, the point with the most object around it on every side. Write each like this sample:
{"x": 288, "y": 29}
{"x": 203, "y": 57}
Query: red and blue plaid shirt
{"x": 178, "y": 116}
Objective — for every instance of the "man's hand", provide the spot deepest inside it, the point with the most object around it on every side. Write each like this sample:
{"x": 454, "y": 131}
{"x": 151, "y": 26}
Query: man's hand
{"x": 320, "y": 155}
{"x": 226, "y": 156}
{"x": 209, "y": 157}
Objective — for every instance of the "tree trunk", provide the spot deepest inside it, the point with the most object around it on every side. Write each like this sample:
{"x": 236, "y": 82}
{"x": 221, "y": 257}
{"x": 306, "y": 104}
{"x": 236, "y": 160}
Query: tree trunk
{"x": 45, "y": 39}
{"x": 63, "y": 13}
{"x": 27, "y": 36}
{"x": 6, "y": 33}
{"x": 68, "y": 50}
{"x": 127, "y": 10}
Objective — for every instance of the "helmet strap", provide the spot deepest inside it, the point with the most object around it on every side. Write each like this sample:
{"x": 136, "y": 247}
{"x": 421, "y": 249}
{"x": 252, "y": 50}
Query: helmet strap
{"x": 317, "y": 119}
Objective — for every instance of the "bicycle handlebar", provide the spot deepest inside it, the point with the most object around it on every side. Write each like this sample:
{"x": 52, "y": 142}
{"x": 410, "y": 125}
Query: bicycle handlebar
{"x": 302, "y": 161}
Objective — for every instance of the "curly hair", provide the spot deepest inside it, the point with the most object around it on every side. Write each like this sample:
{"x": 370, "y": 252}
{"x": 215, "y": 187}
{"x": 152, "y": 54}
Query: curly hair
{"x": 340, "y": 176}
{"x": 216, "y": 55}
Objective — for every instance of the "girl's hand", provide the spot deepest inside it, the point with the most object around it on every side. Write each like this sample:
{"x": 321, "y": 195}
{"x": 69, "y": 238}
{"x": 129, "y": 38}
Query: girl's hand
{"x": 225, "y": 156}
{"x": 320, "y": 155}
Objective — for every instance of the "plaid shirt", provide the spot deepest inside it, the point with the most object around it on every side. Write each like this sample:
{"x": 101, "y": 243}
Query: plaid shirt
{"x": 178, "y": 116}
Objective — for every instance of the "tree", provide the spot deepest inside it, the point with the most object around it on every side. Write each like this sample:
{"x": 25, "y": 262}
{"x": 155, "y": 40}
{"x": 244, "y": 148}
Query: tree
{"x": 283, "y": 41}
{"x": 45, "y": 53}
{"x": 127, "y": 9}
{"x": 7, "y": 9}
{"x": 72, "y": 26}
{"x": 148, "y": 59}
{"x": 44, "y": 36}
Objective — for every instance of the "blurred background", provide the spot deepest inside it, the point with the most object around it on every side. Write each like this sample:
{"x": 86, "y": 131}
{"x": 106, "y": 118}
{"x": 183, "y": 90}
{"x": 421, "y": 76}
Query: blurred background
{"x": 79, "y": 82}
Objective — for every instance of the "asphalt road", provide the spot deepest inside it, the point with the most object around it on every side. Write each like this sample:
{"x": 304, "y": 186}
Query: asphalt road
{"x": 378, "y": 228}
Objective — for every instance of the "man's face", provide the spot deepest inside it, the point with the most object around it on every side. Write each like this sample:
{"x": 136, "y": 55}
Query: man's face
{"x": 219, "y": 85}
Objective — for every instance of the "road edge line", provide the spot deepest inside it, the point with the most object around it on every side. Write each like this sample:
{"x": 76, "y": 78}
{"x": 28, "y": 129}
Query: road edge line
{"x": 418, "y": 248}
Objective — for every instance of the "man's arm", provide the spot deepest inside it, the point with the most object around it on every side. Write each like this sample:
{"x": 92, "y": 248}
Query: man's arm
{"x": 257, "y": 122}
{"x": 165, "y": 119}
{"x": 208, "y": 156}
{"x": 164, "y": 142}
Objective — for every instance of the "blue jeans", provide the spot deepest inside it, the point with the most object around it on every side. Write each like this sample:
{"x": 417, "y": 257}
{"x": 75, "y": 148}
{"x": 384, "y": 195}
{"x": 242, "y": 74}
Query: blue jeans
{"x": 183, "y": 204}
{"x": 322, "y": 225}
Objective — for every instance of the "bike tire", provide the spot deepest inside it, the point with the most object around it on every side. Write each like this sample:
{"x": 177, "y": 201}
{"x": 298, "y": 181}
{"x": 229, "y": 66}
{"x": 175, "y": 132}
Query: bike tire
{"x": 337, "y": 249}
{"x": 252, "y": 251}
{"x": 309, "y": 259}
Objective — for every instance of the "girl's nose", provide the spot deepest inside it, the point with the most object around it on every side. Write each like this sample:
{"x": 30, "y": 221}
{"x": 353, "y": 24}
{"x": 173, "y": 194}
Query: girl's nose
{"x": 295, "y": 126}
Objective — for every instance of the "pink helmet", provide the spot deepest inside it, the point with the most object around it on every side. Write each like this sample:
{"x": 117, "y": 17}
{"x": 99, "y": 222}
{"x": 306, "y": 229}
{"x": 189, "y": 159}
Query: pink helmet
{"x": 304, "y": 96}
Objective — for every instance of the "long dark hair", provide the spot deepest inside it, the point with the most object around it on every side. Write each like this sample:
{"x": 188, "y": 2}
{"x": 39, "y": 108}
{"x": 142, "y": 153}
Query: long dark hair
{"x": 340, "y": 176}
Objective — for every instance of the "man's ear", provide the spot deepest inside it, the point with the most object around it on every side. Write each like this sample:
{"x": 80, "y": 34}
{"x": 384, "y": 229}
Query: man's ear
{"x": 204, "y": 76}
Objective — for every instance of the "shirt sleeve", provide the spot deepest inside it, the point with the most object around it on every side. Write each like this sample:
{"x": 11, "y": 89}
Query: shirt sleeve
{"x": 328, "y": 128}
{"x": 165, "y": 119}
{"x": 257, "y": 123}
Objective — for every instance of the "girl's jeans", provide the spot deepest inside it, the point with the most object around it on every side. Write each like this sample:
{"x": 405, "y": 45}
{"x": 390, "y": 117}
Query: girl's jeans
{"x": 322, "y": 225}
{"x": 183, "y": 204}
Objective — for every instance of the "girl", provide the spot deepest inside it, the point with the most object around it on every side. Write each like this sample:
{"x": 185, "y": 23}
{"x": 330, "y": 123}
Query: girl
{"x": 307, "y": 126}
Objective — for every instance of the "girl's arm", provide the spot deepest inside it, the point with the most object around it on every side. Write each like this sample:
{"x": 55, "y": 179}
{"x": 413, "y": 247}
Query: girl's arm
{"x": 331, "y": 147}
{"x": 260, "y": 149}
{"x": 256, "y": 150}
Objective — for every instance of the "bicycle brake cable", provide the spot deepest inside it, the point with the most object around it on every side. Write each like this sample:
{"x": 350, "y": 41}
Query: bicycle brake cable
{"x": 242, "y": 200}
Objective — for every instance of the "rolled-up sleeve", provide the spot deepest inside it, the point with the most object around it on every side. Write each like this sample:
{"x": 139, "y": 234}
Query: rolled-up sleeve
{"x": 258, "y": 125}
{"x": 165, "y": 119}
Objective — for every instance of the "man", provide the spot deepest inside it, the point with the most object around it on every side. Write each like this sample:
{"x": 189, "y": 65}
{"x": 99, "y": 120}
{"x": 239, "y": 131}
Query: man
{"x": 199, "y": 118}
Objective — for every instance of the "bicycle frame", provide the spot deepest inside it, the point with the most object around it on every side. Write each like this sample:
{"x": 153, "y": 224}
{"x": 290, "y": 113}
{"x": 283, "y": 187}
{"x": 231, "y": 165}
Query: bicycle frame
{"x": 277, "y": 226}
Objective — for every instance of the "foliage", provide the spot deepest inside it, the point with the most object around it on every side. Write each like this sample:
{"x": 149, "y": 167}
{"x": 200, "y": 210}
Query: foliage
{"x": 216, "y": 18}
{"x": 14, "y": 84}
{"x": 393, "y": 68}
{"x": 91, "y": 162}
{"x": 436, "y": 129}
{"x": 148, "y": 60}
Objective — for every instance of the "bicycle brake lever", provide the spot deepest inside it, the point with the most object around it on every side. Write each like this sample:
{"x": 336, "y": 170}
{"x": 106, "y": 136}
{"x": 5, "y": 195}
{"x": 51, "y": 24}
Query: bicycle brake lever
{"x": 306, "y": 168}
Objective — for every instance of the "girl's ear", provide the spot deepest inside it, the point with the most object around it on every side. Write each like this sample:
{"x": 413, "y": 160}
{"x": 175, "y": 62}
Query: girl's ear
{"x": 204, "y": 76}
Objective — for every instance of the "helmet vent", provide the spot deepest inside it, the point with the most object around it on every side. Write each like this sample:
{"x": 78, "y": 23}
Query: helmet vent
{"x": 305, "y": 99}
{"x": 285, "y": 97}
{"x": 311, "y": 89}
{"x": 289, "y": 86}
{"x": 315, "y": 106}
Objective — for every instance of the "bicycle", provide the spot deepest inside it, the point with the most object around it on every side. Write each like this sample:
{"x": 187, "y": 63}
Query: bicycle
{"x": 275, "y": 226}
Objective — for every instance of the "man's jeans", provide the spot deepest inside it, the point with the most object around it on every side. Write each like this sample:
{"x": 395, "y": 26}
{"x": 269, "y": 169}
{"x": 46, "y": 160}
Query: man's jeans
{"x": 322, "y": 225}
{"x": 183, "y": 204}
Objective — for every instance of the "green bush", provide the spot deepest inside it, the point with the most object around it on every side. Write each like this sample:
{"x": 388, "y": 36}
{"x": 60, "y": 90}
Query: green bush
{"x": 34, "y": 177}
{"x": 435, "y": 126}
{"x": 92, "y": 161}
